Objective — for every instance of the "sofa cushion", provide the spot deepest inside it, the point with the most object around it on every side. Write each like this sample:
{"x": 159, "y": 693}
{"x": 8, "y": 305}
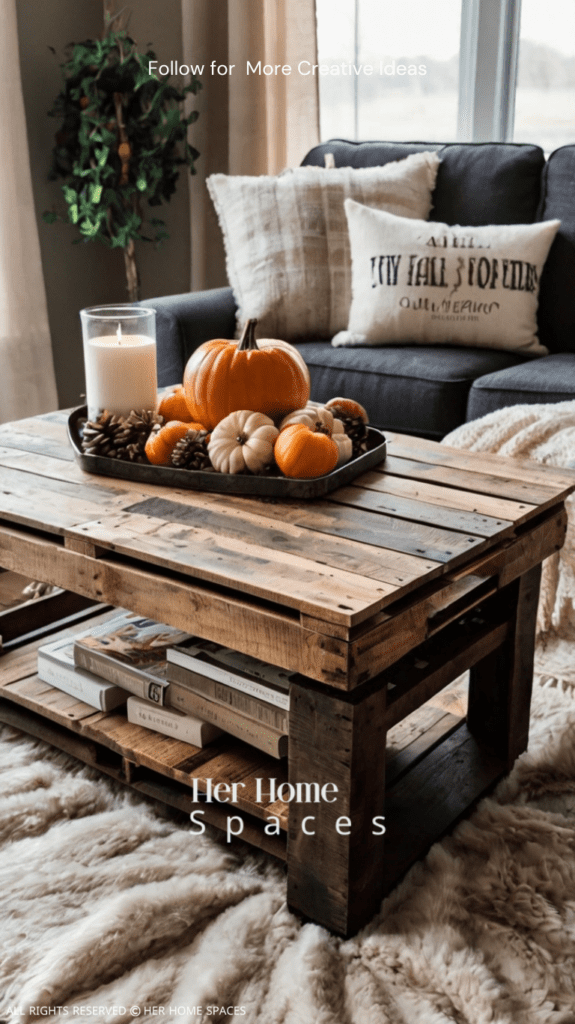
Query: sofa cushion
{"x": 557, "y": 305}
{"x": 551, "y": 379}
{"x": 418, "y": 283}
{"x": 477, "y": 183}
{"x": 405, "y": 388}
{"x": 287, "y": 244}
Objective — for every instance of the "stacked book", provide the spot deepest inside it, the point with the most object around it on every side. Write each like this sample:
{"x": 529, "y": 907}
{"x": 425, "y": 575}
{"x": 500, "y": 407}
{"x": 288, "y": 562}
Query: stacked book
{"x": 171, "y": 682}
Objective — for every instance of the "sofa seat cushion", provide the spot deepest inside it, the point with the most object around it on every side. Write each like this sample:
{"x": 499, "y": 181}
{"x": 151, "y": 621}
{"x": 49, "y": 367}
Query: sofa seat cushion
{"x": 405, "y": 388}
{"x": 551, "y": 379}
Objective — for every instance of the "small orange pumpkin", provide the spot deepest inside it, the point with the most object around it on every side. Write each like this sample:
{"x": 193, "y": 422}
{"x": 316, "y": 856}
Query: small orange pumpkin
{"x": 173, "y": 405}
{"x": 347, "y": 407}
{"x": 302, "y": 453}
{"x": 161, "y": 442}
{"x": 222, "y": 377}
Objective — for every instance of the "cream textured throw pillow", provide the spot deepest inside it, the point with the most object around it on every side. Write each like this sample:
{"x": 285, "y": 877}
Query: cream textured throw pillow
{"x": 287, "y": 244}
{"x": 425, "y": 283}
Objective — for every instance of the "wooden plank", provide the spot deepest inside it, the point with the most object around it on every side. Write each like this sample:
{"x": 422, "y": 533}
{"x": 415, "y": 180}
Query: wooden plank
{"x": 523, "y": 469}
{"x": 289, "y": 579}
{"x": 45, "y": 465}
{"x": 384, "y": 531}
{"x": 335, "y": 878}
{"x": 11, "y": 588}
{"x": 431, "y": 798}
{"x": 22, "y": 443}
{"x": 37, "y": 612}
{"x": 312, "y": 518}
{"x": 53, "y": 505}
{"x": 44, "y": 426}
{"x": 32, "y": 692}
{"x": 427, "y": 542}
{"x": 440, "y": 725}
{"x": 500, "y": 687}
{"x": 422, "y": 512}
{"x": 478, "y": 483}
{"x": 254, "y": 629}
{"x": 446, "y": 497}
{"x": 511, "y": 560}
{"x": 243, "y": 523}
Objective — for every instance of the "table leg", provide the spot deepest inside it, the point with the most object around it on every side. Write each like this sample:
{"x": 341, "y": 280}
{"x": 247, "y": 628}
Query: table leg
{"x": 500, "y": 684}
{"x": 335, "y": 874}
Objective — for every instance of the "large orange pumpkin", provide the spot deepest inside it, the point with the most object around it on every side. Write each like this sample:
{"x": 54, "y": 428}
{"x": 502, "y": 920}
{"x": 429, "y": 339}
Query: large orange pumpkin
{"x": 222, "y": 376}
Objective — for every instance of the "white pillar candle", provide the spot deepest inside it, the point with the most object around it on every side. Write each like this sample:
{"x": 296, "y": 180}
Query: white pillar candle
{"x": 119, "y": 360}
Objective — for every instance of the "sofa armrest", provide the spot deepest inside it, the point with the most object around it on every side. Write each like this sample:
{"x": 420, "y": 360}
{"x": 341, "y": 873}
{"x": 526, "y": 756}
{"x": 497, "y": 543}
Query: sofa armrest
{"x": 185, "y": 321}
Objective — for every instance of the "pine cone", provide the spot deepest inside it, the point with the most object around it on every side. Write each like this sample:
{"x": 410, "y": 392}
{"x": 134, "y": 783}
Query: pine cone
{"x": 98, "y": 437}
{"x": 356, "y": 429}
{"x": 120, "y": 437}
{"x": 191, "y": 452}
{"x": 131, "y": 440}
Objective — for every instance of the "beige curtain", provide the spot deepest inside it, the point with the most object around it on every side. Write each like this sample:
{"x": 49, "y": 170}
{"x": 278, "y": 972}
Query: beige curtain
{"x": 249, "y": 123}
{"x": 27, "y": 378}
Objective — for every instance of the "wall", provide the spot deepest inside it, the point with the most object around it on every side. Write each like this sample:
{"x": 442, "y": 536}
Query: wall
{"x": 85, "y": 275}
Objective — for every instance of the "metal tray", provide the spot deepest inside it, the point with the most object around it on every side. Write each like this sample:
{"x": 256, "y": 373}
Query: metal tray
{"x": 225, "y": 483}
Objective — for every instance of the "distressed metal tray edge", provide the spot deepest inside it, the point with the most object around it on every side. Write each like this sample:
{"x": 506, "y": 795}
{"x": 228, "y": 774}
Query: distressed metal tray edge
{"x": 226, "y": 483}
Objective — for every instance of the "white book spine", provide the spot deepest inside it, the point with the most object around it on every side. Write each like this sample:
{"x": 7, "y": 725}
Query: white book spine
{"x": 204, "y": 668}
{"x": 95, "y": 692}
{"x": 171, "y": 723}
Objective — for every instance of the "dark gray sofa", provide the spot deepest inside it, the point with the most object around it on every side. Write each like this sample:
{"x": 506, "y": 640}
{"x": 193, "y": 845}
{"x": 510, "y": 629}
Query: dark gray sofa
{"x": 431, "y": 390}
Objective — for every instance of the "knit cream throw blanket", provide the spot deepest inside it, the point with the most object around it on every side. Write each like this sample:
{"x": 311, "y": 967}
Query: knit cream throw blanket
{"x": 544, "y": 433}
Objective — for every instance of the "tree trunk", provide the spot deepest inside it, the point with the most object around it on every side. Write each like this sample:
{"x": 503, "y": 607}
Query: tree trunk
{"x": 132, "y": 276}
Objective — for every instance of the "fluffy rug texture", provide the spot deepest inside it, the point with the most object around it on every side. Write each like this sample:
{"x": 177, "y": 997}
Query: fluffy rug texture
{"x": 112, "y": 908}
{"x": 544, "y": 433}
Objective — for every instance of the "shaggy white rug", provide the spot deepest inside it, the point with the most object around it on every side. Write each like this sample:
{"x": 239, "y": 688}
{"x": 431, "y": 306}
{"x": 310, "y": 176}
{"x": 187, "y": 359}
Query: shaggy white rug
{"x": 112, "y": 909}
{"x": 107, "y": 904}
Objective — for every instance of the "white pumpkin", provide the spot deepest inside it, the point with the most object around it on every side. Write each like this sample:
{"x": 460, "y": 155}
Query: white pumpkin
{"x": 242, "y": 441}
{"x": 321, "y": 420}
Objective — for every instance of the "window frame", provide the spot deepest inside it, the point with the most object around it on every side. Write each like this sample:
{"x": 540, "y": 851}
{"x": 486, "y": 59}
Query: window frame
{"x": 488, "y": 60}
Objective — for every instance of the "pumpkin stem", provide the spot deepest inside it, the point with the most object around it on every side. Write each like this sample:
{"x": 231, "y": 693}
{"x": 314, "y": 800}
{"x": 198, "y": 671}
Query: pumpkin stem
{"x": 248, "y": 338}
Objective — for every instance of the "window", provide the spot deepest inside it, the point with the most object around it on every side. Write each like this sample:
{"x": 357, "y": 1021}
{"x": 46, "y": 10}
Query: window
{"x": 475, "y": 70}
{"x": 412, "y": 90}
{"x": 545, "y": 98}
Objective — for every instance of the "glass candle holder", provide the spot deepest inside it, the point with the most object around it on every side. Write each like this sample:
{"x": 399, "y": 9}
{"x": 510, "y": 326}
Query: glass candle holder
{"x": 119, "y": 359}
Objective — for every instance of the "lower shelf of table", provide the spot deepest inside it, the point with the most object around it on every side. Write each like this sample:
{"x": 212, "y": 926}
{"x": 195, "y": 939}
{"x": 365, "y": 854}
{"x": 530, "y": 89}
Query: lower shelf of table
{"x": 435, "y": 768}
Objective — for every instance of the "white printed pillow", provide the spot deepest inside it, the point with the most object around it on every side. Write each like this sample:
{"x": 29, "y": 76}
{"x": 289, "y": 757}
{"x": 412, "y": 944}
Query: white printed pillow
{"x": 287, "y": 244}
{"x": 425, "y": 283}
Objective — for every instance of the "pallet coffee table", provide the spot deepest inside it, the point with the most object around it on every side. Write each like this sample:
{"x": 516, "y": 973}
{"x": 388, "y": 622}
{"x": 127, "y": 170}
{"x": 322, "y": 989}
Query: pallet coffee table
{"x": 378, "y": 596}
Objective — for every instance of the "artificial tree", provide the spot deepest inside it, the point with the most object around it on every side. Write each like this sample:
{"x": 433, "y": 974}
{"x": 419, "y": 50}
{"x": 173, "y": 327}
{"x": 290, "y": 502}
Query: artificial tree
{"x": 121, "y": 144}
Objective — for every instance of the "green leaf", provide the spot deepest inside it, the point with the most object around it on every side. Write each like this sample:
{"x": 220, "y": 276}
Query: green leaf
{"x": 70, "y": 194}
{"x": 73, "y": 213}
{"x": 141, "y": 184}
{"x": 96, "y": 193}
{"x": 102, "y": 155}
